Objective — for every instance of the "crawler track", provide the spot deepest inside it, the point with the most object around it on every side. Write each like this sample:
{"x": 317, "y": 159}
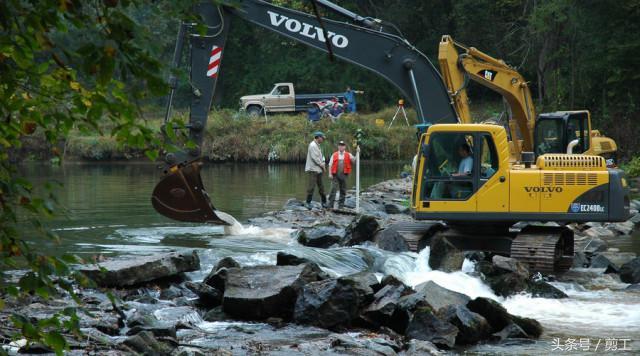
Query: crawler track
{"x": 544, "y": 249}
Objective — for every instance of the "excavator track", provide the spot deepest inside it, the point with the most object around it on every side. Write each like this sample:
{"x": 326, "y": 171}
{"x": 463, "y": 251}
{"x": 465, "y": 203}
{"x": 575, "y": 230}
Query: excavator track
{"x": 544, "y": 249}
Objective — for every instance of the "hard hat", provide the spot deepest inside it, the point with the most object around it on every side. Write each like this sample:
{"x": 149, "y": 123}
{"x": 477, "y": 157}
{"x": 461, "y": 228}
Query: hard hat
{"x": 318, "y": 134}
{"x": 341, "y": 143}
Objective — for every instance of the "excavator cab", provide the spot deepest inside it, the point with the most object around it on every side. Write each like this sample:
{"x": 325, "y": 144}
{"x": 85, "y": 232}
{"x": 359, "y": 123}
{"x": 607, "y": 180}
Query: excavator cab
{"x": 563, "y": 132}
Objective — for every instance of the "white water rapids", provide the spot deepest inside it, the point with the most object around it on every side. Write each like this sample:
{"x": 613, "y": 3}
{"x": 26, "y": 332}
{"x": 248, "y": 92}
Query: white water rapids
{"x": 597, "y": 308}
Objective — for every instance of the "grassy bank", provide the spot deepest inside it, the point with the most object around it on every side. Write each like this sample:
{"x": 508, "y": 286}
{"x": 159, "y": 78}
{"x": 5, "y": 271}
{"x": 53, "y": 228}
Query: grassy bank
{"x": 234, "y": 137}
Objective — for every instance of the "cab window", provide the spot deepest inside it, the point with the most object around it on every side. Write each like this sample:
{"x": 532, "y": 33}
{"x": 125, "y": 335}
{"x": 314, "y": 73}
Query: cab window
{"x": 488, "y": 158}
{"x": 280, "y": 90}
{"x": 450, "y": 165}
{"x": 578, "y": 129}
{"x": 549, "y": 137}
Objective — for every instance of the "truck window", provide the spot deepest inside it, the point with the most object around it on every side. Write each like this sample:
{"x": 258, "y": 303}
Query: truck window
{"x": 488, "y": 158}
{"x": 578, "y": 128}
{"x": 280, "y": 90}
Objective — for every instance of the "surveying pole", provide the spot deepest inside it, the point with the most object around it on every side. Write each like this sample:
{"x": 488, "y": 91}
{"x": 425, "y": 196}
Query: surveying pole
{"x": 358, "y": 179}
{"x": 404, "y": 113}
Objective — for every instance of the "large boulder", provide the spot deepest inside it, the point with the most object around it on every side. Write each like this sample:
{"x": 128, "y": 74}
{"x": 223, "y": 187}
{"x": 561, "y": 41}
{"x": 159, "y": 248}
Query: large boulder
{"x": 289, "y": 259}
{"x": 321, "y": 236}
{"x": 390, "y": 240}
{"x": 439, "y": 297}
{"x": 472, "y": 327}
{"x": 366, "y": 282}
{"x": 361, "y": 229}
{"x": 630, "y": 271}
{"x": 384, "y": 310}
{"x": 599, "y": 232}
{"x": 508, "y": 264}
{"x": 421, "y": 347}
{"x": 425, "y": 325}
{"x": 499, "y": 318}
{"x": 207, "y": 296}
{"x": 260, "y": 292}
{"x": 226, "y": 262}
{"x": 624, "y": 228}
{"x": 542, "y": 289}
{"x": 145, "y": 343}
{"x": 444, "y": 256}
{"x": 138, "y": 270}
{"x": 329, "y": 303}
{"x": 602, "y": 261}
{"x": 507, "y": 284}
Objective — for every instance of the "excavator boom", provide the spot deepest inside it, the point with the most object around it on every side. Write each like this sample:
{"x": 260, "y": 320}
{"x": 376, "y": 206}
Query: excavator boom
{"x": 366, "y": 42}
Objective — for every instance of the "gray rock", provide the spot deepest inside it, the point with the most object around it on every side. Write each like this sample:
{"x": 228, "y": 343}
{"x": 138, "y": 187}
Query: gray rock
{"x": 391, "y": 280}
{"x": 624, "y": 228}
{"x": 602, "y": 261}
{"x": 630, "y": 271}
{"x": 208, "y": 296}
{"x": 507, "y": 284}
{"x": 635, "y": 219}
{"x": 439, "y": 297}
{"x": 390, "y": 240}
{"x": 158, "y": 330}
{"x": 138, "y": 270}
{"x": 361, "y": 229}
{"x": 424, "y": 325}
{"x": 580, "y": 260}
{"x": 499, "y": 318}
{"x": 599, "y": 232}
{"x": 384, "y": 310}
{"x": 170, "y": 293}
{"x": 392, "y": 208}
{"x": 288, "y": 259}
{"x": 542, "y": 289}
{"x": 215, "y": 314}
{"x": 530, "y": 326}
{"x": 619, "y": 258}
{"x": 472, "y": 327}
{"x": 146, "y": 344}
{"x": 511, "y": 331}
{"x": 217, "y": 278}
{"x": 294, "y": 204}
{"x": 321, "y": 236}
{"x": 444, "y": 255}
{"x": 328, "y": 304}
{"x": 421, "y": 347}
{"x": 260, "y": 292}
{"x": 594, "y": 246}
{"x": 633, "y": 288}
{"x": 226, "y": 262}
{"x": 508, "y": 264}
{"x": 367, "y": 282}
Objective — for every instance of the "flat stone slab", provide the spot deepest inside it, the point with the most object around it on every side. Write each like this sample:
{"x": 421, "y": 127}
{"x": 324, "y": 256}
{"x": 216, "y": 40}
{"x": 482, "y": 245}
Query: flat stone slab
{"x": 137, "y": 270}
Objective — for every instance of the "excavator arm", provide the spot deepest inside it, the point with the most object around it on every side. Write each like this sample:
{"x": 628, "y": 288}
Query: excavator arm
{"x": 365, "y": 42}
{"x": 498, "y": 76}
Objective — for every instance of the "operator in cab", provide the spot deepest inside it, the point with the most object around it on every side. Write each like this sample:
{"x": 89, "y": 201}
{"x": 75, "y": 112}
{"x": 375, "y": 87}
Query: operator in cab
{"x": 466, "y": 163}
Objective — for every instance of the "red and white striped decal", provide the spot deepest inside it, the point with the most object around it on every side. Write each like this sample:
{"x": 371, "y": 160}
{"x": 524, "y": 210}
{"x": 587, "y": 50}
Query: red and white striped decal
{"x": 214, "y": 61}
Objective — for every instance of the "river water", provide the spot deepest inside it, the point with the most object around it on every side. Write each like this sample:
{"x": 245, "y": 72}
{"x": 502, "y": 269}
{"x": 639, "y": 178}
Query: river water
{"x": 109, "y": 212}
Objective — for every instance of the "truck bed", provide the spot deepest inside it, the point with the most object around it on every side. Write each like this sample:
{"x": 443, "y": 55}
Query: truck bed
{"x": 302, "y": 100}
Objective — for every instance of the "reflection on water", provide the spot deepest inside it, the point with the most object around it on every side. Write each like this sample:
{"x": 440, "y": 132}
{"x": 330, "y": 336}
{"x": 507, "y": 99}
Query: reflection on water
{"x": 109, "y": 205}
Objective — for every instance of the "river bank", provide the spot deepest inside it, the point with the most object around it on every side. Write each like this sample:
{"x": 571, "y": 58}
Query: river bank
{"x": 233, "y": 137}
{"x": 353, "y": 271}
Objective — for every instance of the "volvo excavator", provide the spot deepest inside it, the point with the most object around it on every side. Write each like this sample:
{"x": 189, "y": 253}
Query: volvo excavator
{"x": 477, "y": 208}
{"x": 557, "y": 132}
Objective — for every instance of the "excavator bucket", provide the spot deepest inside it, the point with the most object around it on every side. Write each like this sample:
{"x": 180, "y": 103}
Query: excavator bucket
{"x": 180, "y": 195}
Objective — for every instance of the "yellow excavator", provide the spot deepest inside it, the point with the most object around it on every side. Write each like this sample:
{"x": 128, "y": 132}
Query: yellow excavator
{"x": 557, "y": 132}
{"x": 466, "y": 178}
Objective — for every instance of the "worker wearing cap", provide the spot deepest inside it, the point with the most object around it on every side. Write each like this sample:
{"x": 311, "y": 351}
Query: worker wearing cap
{"x": 315, "y": 167}
{"x": 339, "y": 169}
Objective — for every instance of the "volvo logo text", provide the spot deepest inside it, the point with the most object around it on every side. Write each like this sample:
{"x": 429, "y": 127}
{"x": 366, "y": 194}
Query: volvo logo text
{"x": 543, "y": 189}
{"x": 307, "y": 30}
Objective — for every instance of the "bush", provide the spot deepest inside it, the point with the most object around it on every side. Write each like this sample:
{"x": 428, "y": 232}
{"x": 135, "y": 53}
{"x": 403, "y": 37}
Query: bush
{"x": 632, "y": 168}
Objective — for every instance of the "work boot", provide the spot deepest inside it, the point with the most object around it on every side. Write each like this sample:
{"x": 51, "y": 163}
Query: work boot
{"x": 324, "y": 201}
{"x": 308, "y": 204}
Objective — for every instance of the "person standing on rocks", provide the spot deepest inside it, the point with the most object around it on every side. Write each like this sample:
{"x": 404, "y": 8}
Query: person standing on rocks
{"x": 315, "y": 167}
{"x": 339, "y": 169}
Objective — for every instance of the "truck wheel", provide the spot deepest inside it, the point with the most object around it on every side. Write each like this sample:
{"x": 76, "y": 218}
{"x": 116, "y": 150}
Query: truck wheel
{"x": 254, "y": 111}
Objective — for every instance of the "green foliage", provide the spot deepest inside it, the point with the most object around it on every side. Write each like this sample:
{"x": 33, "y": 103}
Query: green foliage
{"x": 632, "y": 168}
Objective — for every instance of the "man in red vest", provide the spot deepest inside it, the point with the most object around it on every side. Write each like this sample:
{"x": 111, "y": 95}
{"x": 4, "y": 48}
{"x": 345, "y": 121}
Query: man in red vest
{"x": 339, "y": 169}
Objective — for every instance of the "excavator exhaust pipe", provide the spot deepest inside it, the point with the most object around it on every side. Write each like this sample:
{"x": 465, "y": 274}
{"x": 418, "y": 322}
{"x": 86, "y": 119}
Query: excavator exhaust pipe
{"x": 180, "y": 195}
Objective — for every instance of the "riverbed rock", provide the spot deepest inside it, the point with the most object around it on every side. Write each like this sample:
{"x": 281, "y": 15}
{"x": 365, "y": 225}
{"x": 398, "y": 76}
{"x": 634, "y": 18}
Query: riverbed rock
{"x": 439, "y": 297}
{"x": 217, "y": 278}
{"x": 444, "y": 255}
{"x": 207, "y": 296}
{"x": 328, "y": 304}
{"x": 138, "y": 270}
{"x": 542, "y": 289}
{"x": 624, "y": 228}
{"x": 289, "y": 259}
{"x": 393, "y": 208}
{"x": 633, "y": 288}
{"x": 146, "y": 343}
{"x": 172, "y": 292}
{"x": 294, "y": 204}
{"x": 322, "y": 236}
{"x": 215, "y": 314}
{"x": 421, "y": 347}
{"x": 511, "y": 331}
{"x": 602, "y": 261}
{"x": 226, "y": 262}
{"x": 260, "y": 292}
{"x": 507, "y": 284}
{"x": 390, "y": 240}
{"x": 424, "y": 325}
{"x": 361, "y": 229}
{"x": 499, "y": 318}
{"x": 508, "y": 264}
{"x": 384, "y": 310}
{"x": 580, "y": 260}
{"x": 366, "y": 282}
{"x": 599, "y": 232}
{"x": 630, "y": 271}
{"x": 472, "y": 326}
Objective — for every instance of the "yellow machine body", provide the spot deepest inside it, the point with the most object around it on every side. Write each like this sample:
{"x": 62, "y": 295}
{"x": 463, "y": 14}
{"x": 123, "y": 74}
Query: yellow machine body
{"x": 558, "y": 187}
